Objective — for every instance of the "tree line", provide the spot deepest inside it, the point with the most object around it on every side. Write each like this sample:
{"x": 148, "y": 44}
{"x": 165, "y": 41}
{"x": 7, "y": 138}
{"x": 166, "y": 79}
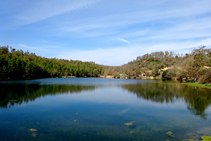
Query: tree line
{"x": 15, "y": 65}
{"x": 192, "y": 67}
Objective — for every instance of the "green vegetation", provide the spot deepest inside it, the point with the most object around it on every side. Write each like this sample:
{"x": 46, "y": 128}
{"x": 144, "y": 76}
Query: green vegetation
{"x": 16, "y": 65}
{"x": 199, "y": 85}
{"x": 193, "y": 67}
{"x": 169, "y": 133}
{"x": 129, "y": 123}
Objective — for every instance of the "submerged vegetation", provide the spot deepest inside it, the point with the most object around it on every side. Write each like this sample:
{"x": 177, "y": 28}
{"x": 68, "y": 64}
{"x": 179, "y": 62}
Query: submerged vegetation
{"x": 169, "y": 133}
{"x": 192, "y": 67}
{"x": 129, "y": 123}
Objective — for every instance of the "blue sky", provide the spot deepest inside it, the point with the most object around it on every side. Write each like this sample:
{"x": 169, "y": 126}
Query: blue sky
{"x": 108, "y": 32}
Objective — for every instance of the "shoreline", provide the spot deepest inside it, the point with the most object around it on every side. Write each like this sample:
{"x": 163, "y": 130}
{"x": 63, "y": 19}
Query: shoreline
{"x": 208, "y": 86}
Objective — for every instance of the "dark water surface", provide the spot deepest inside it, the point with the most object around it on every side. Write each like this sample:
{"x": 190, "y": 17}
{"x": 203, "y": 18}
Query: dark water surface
{"x": 64, "y": 109}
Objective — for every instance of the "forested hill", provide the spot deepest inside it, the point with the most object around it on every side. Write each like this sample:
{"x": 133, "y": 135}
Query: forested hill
{"x": 16, "y": 65}
{"x": 193, "y": 67}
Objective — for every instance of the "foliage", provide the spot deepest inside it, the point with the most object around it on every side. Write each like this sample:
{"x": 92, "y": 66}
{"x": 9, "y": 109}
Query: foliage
{"x": 204, "y": 76}
{"x": 189, "y": 67}
{"x": 24, "y": 65}
{"x": 194, "y": 67}
{"x": 165, "y": 75}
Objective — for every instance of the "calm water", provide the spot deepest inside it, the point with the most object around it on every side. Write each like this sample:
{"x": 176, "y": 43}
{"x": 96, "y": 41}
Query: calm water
{"x": 83, "y": 109}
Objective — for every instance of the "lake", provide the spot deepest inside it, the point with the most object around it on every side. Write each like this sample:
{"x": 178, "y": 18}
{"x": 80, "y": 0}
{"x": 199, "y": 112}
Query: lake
{"x": 89, "y": 109}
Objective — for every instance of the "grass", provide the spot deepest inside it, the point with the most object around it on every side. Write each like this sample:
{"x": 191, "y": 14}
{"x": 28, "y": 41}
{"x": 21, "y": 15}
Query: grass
{"x": 199, "y": 85}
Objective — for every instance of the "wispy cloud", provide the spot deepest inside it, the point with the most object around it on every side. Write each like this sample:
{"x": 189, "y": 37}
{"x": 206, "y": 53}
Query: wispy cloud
{"x": 40, "y": 10}
{"x": 120, "y": 55}
{"x": 193, "y": 29}
{"x": 47, "y": 50}
{"x": 98, "y": 28}
{"x": 153, "y": 16}
{"x": 29, "y": 47}
{"x": 123, "y": 40}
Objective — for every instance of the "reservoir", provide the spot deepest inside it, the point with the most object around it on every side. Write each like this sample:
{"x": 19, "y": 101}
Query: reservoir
{"x": 89, "y": 109}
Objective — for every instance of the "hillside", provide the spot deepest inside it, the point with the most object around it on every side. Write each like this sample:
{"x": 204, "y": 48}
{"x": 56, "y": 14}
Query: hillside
{"x": 193, "y": 67}
{"x": 16, "y": 65}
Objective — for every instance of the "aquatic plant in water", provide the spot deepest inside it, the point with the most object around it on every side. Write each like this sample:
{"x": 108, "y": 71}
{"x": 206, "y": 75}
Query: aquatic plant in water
{"x": 32, "y": 130}
{"x": 34, "y": 134}
{"x": 169, "y": 133}
{"x": 129, "y": 123}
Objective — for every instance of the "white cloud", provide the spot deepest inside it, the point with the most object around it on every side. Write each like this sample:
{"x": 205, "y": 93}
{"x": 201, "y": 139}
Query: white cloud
{"x": 40, "y": 10}
{"x": 29, "y": 47}
{"x": 146, "y": 26}
{"x": 159, "y": 19}
{"x": 121, "y": 55}
{"x": 192, "y": 29}
{"x": 123, "y": 40}
{"x": 136, "y": 33}
{"x": 49, "y": 51}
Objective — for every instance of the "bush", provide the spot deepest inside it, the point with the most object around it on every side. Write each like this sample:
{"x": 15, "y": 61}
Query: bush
{"x": 205, "y": 76}
{"x": 168, "y": 74}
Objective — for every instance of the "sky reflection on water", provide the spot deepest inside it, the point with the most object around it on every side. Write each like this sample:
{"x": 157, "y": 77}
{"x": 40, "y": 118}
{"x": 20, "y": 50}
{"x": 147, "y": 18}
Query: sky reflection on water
{"x": 100, "y": 107}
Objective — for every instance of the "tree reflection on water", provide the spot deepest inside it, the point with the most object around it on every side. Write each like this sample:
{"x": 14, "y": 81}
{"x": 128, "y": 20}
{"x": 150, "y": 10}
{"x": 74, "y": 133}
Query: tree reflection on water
{"x": 15, "y": 93}
{"x": 197, "y": 99}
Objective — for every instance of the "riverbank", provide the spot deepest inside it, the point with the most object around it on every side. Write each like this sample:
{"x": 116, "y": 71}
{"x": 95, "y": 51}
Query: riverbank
{"x": 208, "y": 86}
{"x": 198, "y": 85}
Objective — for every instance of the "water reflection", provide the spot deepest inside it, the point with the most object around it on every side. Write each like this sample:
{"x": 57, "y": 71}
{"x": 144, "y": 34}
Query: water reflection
{"x": 17, "y": 93}
{"x": 197, "y": 99}
{"x": 108, "y": 110}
